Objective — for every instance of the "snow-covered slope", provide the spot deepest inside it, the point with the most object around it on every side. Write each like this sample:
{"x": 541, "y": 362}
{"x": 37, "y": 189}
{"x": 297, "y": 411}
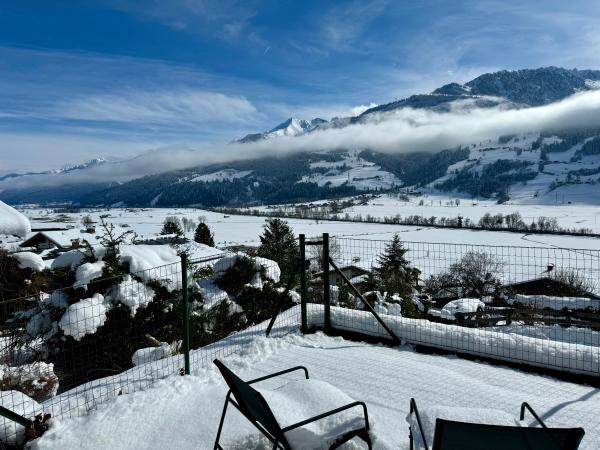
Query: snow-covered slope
{"x": 352, "y": 170}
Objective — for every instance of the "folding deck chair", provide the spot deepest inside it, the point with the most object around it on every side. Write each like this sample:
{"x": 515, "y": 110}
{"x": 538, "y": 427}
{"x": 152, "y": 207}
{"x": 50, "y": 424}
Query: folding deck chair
{"x": 453, "y": 435}
{"x": 255, "y": 408}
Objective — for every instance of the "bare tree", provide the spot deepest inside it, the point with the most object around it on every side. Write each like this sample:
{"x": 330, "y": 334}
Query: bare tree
{"x": 576, "y": 283}
{"x": 476, "y": 274}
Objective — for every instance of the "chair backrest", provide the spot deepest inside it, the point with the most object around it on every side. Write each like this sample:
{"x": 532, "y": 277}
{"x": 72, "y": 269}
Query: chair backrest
{"x": 252, "y": 404}
{"x": 450, "y": 435}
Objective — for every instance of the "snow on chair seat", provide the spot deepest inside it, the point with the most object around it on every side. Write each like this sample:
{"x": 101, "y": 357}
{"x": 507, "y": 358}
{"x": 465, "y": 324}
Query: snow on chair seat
{"x": 315, "y": 415}
{"x": 442, "y": 428}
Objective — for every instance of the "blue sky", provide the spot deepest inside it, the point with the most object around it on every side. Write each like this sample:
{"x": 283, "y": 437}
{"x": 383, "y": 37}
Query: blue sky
{"x": 113, "y": 78}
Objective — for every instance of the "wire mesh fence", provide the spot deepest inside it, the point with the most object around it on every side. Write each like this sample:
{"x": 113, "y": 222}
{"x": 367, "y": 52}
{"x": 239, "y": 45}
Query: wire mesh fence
{"x": 537, "y": 306}
{"x": 64, "y": 351}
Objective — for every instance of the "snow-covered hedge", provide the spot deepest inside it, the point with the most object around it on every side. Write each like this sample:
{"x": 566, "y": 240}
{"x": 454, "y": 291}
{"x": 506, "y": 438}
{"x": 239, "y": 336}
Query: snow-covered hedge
{"x": 556, "y": 303}
{"x": 271, "y": 268}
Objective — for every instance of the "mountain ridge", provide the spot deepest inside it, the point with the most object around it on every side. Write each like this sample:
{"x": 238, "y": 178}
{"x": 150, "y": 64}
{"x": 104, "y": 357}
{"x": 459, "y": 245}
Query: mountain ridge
{"x": 524, "y": 159}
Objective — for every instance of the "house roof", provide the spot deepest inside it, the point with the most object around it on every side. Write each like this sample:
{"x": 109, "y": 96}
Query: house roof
{"x": 62, "y": 239}
{"x": 548, "y": 281}
{"x": 360, "y": 270}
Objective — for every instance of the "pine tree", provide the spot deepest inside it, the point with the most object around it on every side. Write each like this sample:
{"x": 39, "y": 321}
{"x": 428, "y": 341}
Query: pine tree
{"x": 203, "y": 235}
{"x": 172, "y": 225}
{"x": 394, "y": 273}
{"x": 279, "y": 244}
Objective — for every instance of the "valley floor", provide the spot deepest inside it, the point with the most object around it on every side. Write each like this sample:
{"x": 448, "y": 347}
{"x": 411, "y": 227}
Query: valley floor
{"x": 241, "y": 229}
{"x": 183, "y": 412}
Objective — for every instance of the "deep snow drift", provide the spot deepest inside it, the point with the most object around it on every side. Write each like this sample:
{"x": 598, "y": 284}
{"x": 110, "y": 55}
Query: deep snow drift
{"x": 183, "y": 412}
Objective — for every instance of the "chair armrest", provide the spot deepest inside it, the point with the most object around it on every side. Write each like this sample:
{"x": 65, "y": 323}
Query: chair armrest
{"x": 331, "y": 413}
{"x": 415, "y": 410}
{"x": 283, "y": 372}
{"x": 524, "y": 406}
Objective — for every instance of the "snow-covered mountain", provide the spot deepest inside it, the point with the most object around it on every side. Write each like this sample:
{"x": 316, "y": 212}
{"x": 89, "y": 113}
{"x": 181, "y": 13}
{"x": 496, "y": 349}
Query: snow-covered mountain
{"x": 291, "y": 127}
{"x": 512, "y": 89}
{"x": 528, "y": 165}
{"x": 68, "y": 168}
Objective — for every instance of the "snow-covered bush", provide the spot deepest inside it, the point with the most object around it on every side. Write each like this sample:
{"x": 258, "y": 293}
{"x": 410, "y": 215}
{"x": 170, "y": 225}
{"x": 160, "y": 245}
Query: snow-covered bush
{"x": 36, "y": 380}
{"x": 133, "y": 294}
{"x": 84, "y": 317}
{"x": 30, "y": 260}
{"x": 462, "y": 305}
{"x": 88, "y": 272}
{"x": 261, "y": 304}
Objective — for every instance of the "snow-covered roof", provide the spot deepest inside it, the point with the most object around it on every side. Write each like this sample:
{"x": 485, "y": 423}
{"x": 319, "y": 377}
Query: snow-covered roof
{"x": 12, "y": 222}
{"x": 62, "y": 238}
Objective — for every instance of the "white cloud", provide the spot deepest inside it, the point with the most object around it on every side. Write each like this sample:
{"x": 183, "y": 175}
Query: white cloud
{"x": 404, "y": 130}
{"x": 358, "y": 110}
{"x": 162, "y": 106}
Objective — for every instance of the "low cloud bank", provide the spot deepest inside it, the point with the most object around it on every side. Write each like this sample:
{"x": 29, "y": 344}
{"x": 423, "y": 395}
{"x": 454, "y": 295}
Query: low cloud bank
{"x": 400, "y": 131}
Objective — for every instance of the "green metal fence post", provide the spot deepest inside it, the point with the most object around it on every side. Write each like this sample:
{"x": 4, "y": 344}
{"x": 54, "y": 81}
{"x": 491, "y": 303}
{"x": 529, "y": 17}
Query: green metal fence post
{"x": 303, "y": 289}
{"x": 11, "y": 415}
{"x": 186, "y": 314}
{"x": 326, "y": 287}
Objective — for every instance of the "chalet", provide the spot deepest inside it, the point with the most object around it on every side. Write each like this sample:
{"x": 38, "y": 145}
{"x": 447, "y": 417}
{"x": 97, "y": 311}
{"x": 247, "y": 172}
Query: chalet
{"x": 548, "y": 286}
{"x": 353, "y": 273}
{"x": 47, "y": 240}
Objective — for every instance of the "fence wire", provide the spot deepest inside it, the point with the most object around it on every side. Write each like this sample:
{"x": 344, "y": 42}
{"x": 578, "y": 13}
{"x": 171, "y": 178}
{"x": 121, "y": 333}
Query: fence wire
{"x": 529, "y": 305}
{"x": 65, "y": 351}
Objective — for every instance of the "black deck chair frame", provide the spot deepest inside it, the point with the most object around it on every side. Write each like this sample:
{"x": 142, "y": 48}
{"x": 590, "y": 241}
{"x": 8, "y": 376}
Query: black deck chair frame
{"x": 252, "y": 405}
{"x": 453, "y": 435}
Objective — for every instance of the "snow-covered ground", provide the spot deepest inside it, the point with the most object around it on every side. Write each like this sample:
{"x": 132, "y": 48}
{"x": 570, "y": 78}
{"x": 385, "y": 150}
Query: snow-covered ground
{"x": 359, "y": 243}
{"x": 547, "y": 350}
{"x": 443, "y": 205}
{"x": 183, "y": 412}
{"x": 239, "y": 229}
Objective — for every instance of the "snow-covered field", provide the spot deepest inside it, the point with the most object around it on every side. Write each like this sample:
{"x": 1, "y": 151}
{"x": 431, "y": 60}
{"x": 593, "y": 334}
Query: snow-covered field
{"x": 576, "y": 215}
{"x": 359, "y": 243}
{"x": 183, "y": 412}
{"x": 239, "y": 229}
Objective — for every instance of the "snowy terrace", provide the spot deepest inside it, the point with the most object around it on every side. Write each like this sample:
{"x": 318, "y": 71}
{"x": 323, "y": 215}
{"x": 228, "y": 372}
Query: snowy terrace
{"x": 183, "y": 412}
